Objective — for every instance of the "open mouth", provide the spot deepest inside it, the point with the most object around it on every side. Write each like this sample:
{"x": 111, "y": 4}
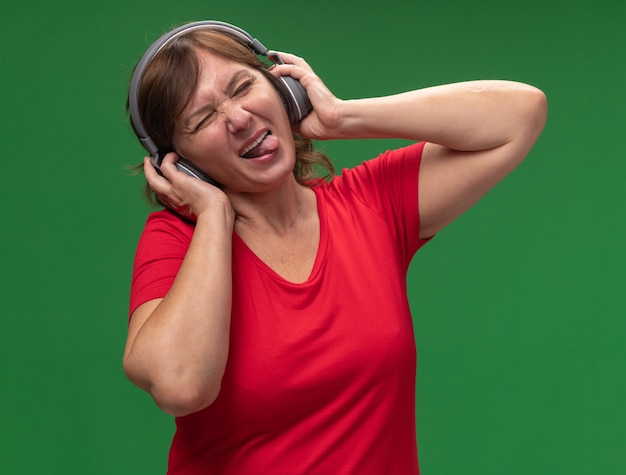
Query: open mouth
{"x": 256, "y": 148}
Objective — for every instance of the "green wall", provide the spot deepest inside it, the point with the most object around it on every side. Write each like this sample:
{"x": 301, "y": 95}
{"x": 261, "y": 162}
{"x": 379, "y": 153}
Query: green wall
{"x": 519, "y": 305}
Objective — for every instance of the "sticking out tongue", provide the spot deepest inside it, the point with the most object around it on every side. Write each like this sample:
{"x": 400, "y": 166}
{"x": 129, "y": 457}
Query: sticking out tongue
{"x": 267, "y": 145}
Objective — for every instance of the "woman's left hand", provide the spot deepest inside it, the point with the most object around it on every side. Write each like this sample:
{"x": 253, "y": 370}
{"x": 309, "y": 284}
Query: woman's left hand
{"x": 323, "y": 121}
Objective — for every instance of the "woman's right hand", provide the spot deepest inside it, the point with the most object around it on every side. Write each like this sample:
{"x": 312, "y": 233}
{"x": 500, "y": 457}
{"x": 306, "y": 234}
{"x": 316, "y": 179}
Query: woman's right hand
{"x": 187, "y": 195}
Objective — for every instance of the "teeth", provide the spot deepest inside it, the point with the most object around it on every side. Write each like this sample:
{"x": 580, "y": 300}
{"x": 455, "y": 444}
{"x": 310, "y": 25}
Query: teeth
{"x": 254, "y": 144}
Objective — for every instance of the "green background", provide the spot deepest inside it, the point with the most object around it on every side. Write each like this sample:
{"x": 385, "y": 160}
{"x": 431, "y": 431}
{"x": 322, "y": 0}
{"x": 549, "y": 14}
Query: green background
{"x": 519, "y": 305}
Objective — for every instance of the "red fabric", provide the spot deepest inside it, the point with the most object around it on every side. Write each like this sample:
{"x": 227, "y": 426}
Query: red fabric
{"x": 321, "y": 375}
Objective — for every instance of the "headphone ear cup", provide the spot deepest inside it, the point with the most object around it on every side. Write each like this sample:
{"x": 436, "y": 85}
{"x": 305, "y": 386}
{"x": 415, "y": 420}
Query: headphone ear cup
{"x": 295, "y": 98}
{"x": 183, "y": 165}
{"x": 294, "y": 95}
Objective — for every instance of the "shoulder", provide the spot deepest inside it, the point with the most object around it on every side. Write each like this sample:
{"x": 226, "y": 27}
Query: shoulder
{"x": 380, "y": 193}
{"x": 389, "y": 166}
{"x": 386, "y": 184}
{"x": 165, "y": 228}
{"x": 391, "y": 172}
{"x": 165, "y": 219}
{"x": 168, "y": 218}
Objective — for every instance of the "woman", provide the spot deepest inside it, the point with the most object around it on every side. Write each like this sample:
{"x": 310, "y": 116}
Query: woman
{"x": 269, "y": 314}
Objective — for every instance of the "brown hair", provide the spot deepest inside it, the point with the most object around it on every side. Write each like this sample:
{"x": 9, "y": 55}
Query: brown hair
{"x": 169, "y": 82}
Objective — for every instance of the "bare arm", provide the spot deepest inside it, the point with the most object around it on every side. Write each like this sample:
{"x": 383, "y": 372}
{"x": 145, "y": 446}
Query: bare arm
{"x": 177, "y": 346}
{"x": 477, "y": 132}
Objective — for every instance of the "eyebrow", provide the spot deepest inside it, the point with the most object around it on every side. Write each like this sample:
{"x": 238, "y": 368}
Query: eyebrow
{"x": 229, "y": 87}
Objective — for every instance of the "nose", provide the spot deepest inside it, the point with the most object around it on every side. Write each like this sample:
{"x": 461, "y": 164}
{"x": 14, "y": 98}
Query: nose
{"x": 237, "y": 117}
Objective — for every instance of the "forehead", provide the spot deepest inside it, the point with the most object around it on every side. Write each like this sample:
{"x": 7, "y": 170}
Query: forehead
{"x": 215, "y": 71}
{"x": 216, "y": 77}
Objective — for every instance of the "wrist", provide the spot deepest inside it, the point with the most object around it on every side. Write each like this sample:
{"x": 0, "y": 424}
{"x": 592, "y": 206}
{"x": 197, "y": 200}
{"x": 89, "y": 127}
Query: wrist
{"x": 217, "y": 214}
{"x": 350, "y": 119}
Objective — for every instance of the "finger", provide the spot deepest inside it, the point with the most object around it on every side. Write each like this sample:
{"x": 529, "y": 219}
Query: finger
{"x": 168, "y": 167}
{"x": 291, "y": 70}
{"x": 149, "y": 171}
{"x": 280, "y": 57}
{"x": 171, "y": 172}
{"x": 160, "y": 184}
{"x": 287, "y": 64}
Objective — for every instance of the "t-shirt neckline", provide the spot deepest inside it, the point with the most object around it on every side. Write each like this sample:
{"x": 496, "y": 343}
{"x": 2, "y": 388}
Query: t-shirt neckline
{"x": 320, "y": 257}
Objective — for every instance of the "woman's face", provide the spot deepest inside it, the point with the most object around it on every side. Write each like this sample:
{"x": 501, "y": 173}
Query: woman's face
{"x": 235, "y": 127}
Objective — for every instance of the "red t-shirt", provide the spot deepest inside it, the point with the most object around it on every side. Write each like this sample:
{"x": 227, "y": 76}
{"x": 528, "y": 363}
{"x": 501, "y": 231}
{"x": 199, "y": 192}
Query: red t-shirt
{"x": 320, "y": 377}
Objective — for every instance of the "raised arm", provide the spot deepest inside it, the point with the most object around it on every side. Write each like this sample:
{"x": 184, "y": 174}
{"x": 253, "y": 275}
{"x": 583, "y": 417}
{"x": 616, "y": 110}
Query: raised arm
{"x": 177, "y": 346}
{"x": 477, "y": 132}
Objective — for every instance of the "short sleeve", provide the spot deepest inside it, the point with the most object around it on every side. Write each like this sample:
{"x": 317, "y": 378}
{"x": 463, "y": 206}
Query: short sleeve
{"x": 160, "y": 252}
{"x": 388, "y": 184}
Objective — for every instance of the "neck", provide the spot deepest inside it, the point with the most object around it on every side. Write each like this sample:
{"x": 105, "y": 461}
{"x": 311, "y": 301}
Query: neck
{"x": 277, "y": 211}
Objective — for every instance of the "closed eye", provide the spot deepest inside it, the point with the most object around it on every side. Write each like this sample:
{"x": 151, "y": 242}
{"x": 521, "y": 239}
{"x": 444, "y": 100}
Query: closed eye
{"x": 241, "y": 90}
{"x": 244, "y": 87}
{"x": 206, "y": 120}
{"x": 240, "y": 84}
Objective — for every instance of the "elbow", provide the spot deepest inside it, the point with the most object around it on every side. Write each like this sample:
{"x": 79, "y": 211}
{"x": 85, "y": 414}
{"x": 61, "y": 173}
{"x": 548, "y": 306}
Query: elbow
{"x": 176, "y": 396}
{"x": 536, "y": 103}
{"x": 182, "y": 400}
{"x": 528, "y": 113}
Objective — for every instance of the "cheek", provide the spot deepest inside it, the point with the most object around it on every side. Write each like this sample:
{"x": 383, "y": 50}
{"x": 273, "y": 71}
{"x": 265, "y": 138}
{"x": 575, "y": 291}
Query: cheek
{"x": 197, "y": 146}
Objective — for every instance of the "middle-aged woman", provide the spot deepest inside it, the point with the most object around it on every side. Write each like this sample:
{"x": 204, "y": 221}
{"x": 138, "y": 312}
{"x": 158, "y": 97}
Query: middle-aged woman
{"x": 269, "y": 314}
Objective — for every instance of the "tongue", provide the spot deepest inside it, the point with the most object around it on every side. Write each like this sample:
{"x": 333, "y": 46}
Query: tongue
{"x": 267, "y": 145}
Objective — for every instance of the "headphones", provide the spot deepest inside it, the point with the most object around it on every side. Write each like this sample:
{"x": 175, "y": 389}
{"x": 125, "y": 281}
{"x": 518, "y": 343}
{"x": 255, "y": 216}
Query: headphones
{"x": 293, "y": 93}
